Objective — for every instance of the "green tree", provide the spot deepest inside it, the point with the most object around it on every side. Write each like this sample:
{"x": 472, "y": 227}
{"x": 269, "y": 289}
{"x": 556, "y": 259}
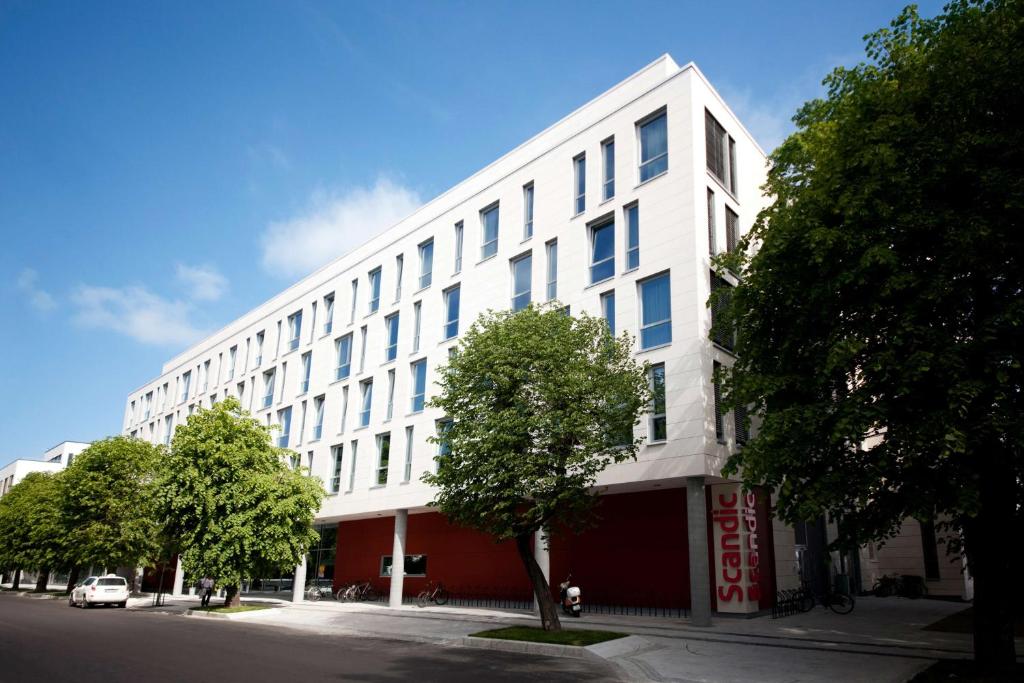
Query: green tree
{"x": 880, "y": 321}
{"x": 541, "y": 403}
{"x": 109, "y": 504}
{"x": 33, "y": 534}
{"x": 235, "y": 508}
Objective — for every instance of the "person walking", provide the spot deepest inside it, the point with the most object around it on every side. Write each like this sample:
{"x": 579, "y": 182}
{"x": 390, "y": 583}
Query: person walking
{"x": 206, "y": 584}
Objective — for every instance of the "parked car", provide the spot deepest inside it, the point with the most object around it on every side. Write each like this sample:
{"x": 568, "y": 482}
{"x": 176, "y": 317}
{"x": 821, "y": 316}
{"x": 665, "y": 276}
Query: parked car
{"x": 97, "y": 590}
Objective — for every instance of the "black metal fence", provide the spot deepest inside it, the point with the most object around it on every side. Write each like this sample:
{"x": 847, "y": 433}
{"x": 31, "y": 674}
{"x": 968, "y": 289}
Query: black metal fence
{"x": 788, "y": 602}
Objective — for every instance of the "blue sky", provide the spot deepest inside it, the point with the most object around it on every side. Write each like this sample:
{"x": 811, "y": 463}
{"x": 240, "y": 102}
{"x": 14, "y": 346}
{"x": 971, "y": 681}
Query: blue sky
{"x": 164, "y": 164}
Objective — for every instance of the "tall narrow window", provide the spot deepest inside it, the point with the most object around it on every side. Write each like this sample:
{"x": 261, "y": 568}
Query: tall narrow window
{"x": 260, "y": 336}
{"x": 602, "y": 251}
{"x": 186, "y": 383}
{"x": 284, "y": 419}
{"x": 302, "y": 423}
{"x": 426, "y": 264}
{"x": 458, "y": 247}
{"x": 653, "y": 147}
{"x": 355, "y": 297}
{"x": 367, "y": 401}
{"x": 312, "y": 322}
{"x": 712, "y": 247}
{"x": 344, "y": 350}
{"x": 528, "y": 211}
{"x": 742, "y": 427}
{"x": 720, "y": 149}
{"x": 307, "y": 363}
{"x": 417, "y": 321}
{"x": 232, "y": 359}
{"x": 336, "y": 456}
{"x": 419, "y": 385}
{"x": 268, "y": 389}
{"x": 328, "y": 313}
{"x": 451, "y": 308}
{"x": 399, "y": 267}
{"x": 344, "y": 410}
{"x": 362, "y": 348}
{"x": 522, "y": 274}
{"x": 284, "y": 377}
{"x": 732, "y": 230}
{"x": 318, "y": 417}
{"x": 720, "y": 293}
{"x": 383, "y": 457}
{"x": 658, "y": 430}
{"x": 579, "y": 166}
{"x": 632, "y": 237}
{"x": 552, "y": 275}
{"x": 608, "y": 160}
{"x": 168, "y": 429}
{"x": 655, "y": 312}
{"x": 407, "y": 471}
{"x": 277, "y": 344}
{"x": 489, "y": 232}
{"x": 443, "y": 447}
{"x": 354, "y": 450}
{"x": 374, "y": 279}
{"x": 391, "y": 395}
{"x": 391, "y": 326}
{"x": 608, "y": 310}
{"x": 719, "y": 422}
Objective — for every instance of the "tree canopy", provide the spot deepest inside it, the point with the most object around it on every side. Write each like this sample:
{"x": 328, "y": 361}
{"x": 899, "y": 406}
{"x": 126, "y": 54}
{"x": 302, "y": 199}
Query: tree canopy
{"x": 230, "y": 501}
{"x": 879, "y": 310}
{"x": 109, "y": 503}
{"x": 542, "y": 403}
{"x": 33, "y": 534}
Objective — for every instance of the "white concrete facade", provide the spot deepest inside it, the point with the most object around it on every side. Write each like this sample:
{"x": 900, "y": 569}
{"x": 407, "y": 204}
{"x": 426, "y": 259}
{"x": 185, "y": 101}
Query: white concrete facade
{"x": 53, "y": 460}
{"x": 674, "y": 239}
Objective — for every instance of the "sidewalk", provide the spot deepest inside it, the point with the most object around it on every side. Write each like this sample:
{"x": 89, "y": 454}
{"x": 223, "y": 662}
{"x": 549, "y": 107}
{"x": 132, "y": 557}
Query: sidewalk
{"x": 882, "y": 640}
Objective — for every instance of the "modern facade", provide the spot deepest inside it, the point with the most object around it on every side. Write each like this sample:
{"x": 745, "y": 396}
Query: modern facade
{"x": 53, "y": 460}
{"x": 615, "y": 210}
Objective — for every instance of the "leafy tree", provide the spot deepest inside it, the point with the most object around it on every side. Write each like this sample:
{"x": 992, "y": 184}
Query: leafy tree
{"x": 881, "y": 320}
{"x": 32, "y": 530}
{"x": 235, "y": 508}
{"x": 542, "y": 403}
{"x": 109, "y": 504}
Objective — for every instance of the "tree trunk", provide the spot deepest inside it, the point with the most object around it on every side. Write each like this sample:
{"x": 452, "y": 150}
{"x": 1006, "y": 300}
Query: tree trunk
{"x": 17, "y": 580}
{"x": 72, "y": 579}
{"x": 548, "y": 611}
{"x": 990, "y": 561}
{"x": 232, "y": 598}
{"x": 42, "y": 580}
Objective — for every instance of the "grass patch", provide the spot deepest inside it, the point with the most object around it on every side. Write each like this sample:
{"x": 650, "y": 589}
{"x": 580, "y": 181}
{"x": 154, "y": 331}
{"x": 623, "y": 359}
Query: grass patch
{"x": 965, "y": 671}
{"x": 532, "y": 634}
{"x": 221, "y": 609}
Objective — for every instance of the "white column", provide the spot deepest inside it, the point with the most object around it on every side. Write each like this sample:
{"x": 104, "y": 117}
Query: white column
{"x": 543, "y": 557}
{"x": 179, "y": 578}
{"x": 697, "y": 532}
{"x": 398, "y": 558}
{"x": 299, "y": 583}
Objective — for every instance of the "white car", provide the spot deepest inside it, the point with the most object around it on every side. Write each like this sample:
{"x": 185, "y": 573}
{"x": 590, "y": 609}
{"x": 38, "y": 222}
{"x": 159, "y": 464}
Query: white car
{"x": 95, "y": 590}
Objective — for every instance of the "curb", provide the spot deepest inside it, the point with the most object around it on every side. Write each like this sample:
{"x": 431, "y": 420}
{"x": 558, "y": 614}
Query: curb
{"x": 41, "y": 596}
{"x": 205, "y": 614}
{"x": 524, "y": 647}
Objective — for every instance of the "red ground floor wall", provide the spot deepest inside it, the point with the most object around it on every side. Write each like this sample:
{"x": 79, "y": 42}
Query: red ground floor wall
{"x": 635, "y": 554}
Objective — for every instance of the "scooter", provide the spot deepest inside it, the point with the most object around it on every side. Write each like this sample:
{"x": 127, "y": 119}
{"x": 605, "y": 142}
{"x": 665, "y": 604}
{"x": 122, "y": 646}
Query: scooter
{"x": 571, "y": 602}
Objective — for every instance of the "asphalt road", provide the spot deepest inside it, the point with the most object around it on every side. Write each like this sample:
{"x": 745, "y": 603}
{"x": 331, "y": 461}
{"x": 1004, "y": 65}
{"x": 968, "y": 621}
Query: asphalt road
{"x": 46, "y": 641}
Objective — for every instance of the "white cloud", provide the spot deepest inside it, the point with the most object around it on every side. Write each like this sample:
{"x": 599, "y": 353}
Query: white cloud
{"x": 37, "y": 298}
{"x": 332, "y": 225}
{"x": 135, "y": 312}
{"x": 204, "y": 283}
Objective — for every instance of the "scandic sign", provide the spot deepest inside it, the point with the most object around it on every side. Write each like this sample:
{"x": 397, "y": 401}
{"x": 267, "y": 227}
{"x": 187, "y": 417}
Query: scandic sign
{"x": 737, "y": 560}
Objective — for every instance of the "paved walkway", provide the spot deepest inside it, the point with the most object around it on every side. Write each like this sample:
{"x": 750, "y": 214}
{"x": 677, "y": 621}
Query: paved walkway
{"x": 882, "y": 640}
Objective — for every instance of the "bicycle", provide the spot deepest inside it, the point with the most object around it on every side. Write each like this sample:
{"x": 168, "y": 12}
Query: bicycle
{"x": 314, "y": 593}
{"x": 357, "y": 591}
{"x": 434, "y": 593}
{"x": 905, "y": 586}
{"x": 837, "y": 601}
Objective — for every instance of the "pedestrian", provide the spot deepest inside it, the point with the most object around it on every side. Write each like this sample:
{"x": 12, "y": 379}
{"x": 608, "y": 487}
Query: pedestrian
{"x": 206, "y": 584}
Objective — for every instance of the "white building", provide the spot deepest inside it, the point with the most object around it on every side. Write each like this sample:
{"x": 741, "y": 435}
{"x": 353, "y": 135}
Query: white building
{"x": 614, "y": 210}
{"x": 53, "y": 460}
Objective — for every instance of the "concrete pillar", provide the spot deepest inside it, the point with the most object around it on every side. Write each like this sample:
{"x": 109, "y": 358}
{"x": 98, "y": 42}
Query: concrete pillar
{"x": 697, "y": 534}
{"x": 299, "y": 583}
{"x": 540, "y": 551}
{"x": 179, "y": 578}
{"x": 398, "y": 558}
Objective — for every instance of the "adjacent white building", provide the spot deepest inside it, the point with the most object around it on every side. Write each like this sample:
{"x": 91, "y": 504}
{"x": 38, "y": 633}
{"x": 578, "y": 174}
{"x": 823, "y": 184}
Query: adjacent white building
{"x": 614, "y": 210}
{"x": 53, "y": 460}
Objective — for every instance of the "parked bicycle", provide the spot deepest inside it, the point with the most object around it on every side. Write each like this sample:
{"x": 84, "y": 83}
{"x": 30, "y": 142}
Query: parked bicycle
{"x": 434, "y": 593}
{"x": 903, "y": 585}
{"x": 840, "y": 602}
{"x": 361, "y": 591}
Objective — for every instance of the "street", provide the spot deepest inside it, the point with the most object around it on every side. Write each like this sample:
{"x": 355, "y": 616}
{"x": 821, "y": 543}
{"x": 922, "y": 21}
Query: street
{"x": 45, "y": 640}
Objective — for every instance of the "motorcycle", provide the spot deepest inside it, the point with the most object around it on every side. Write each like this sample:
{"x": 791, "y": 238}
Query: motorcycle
{"x": 570, "y": 595}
